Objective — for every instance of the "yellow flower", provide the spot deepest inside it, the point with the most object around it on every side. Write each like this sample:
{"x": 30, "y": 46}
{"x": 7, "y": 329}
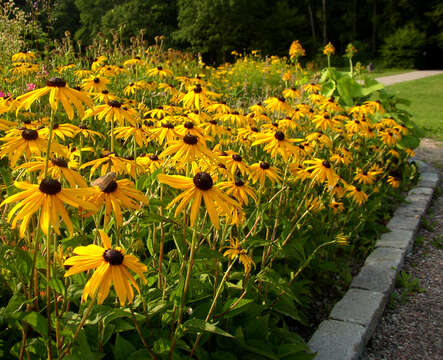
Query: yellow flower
{"x": 321, "y": 171}
{"x": 49, "y": 197}
{"x": 58, "y": 92}
{"x": 296, "y": 50}
{"x": 187, "y": 150}
{"x": 235, "y": 250}
{"x": 95, "y": 84}
{"x": 329, "y": 49}
{"x": 112, "y": 111}
{"x": 239, "y": 190}
{"x": 201, "y": 186}
{"x": 277, "y": 143}
{"x": 356, "y": 194}
{"x": 112, "y": 266}
{"x": 262, "y": 170}
{"x": 117, "y": 194}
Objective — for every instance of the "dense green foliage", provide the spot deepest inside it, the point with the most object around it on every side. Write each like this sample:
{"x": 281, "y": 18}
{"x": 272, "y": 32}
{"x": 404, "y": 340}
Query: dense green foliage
{"x": 216, "y": 27}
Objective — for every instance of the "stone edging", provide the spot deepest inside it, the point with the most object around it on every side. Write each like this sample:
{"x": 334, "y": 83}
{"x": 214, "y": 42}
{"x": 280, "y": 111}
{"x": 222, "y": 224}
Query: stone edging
{"x": 354, "y": 318}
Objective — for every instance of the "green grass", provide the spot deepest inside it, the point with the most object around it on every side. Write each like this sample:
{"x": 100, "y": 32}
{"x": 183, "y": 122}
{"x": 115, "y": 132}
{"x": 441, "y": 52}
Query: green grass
{"x": 426, "y": 97}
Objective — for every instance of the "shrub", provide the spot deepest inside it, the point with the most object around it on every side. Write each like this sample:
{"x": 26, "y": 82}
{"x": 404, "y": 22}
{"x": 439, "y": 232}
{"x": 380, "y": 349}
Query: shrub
{"x": 402, "y": 48}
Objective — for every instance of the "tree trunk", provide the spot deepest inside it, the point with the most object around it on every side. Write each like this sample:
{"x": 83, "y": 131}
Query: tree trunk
{"x": 374, "y": 26}
{"x": 354, "y": 20}
{"x": 311, "y": 18}
{"x": 325, "y": 37}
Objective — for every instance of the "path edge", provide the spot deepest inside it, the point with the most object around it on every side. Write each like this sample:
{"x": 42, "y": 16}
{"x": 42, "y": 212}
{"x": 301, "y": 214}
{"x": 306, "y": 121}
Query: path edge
{"x": 354, "y": 318}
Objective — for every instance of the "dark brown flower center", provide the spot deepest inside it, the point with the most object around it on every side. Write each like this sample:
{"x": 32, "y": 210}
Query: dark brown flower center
{"x": 159, "y": 68}
{"x": 168, "y": 125}
{"x": 190, "y": 139}
{"x": 326, "y": 164}
{"x": 189, "y": 125}
{"x": 153, "y": 157}
{"x": 264, "y": 165}
{"x": 50, "y": 186}
{"x": 222, "y": 166}
{"x": 83, "y": 127}
{"x": 198, "y": 89}
{"x": 326, "y": 116}
{"x": 203, "y": 181}
{"x": 213, "y": 122}
{"x": 114, "y": 257}
{"x": 29, "y": 134}
{"x": 60, "y": 162}
{"x": 279, "y": 135}
{"x": 236, "y": 157}
{"x": 114, "y": 103}
{"x": 105, "y": 92}
{"x": 112, "y": 186}
{"x": 96, "y": 80}
{"x": 56, "y": 82}
{"x": 254, "y": 129}
{"x": 281, "y": 98}
{"x": 239, "y": 182}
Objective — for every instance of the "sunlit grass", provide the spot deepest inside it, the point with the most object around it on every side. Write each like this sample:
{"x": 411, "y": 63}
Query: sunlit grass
{"x": 425, "y": 96}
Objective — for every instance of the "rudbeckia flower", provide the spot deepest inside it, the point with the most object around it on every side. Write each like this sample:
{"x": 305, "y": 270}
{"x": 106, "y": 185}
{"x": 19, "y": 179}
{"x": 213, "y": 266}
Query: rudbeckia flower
{"x": 137, "y": 132}
{"x": 235, "y": 250}
{"x": 49, "y": 197}
{"x": 58, "y": 92}
{"x": 262, "y": 170}
{"x": 188, "y": 149}
{"x": 57, "y": 168}
{"x": 239, "y": 190}
{"x": 195, "y": 98}
{"x": 26, "y": 142}
{"x": 159, "y": 71}
{"x": 321, "y": 171}
{"x": 112, "y": 266}
{"x": 112, "y": 111}
{"x": 201, "y": 186}
{"x": 356, "y": 194}
{"x": 277, "y": 104}
{"x": 277, "y": 143}
{"x": 95, "y": 84}
{"x": 107, "y": 163}
{"x": 118, "y": 194}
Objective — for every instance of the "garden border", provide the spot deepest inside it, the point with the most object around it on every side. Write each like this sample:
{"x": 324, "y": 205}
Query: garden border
{"x": 354, "y": 318}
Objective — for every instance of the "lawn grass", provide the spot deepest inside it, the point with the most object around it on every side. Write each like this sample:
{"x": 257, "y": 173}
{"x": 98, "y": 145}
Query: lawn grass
{"x": 426, "y": 96}
{"x": 379, "y": 72}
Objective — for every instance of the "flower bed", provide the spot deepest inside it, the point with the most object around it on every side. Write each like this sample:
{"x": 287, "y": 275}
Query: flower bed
{"x": 158, "y": 207}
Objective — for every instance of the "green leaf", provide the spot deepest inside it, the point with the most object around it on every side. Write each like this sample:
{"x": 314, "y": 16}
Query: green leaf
{"x": 122, "y": 348}
{"x": 239, "y": 308}
{"x": 409, "y": 141}
{"x": 38, "y": 322}
{"x": 199, "y": 325}
{"x": 223, "y": 355}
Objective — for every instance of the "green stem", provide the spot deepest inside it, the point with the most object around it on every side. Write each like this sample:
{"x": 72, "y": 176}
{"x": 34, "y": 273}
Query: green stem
{"x": 48, "y": 149}
{"x": 184, "y": 293}
{"x": 48, "y": 289}
{"x": 77, "y": 332}
{"x": 214, "y": 303}
{"x": 112, "y": 135}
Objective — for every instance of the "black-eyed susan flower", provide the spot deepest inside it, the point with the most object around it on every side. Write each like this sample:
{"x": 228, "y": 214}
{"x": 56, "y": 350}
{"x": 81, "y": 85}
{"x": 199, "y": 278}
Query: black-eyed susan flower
{"x": 114, "y": 196}
{"x": 355, "y": 193}
{"x": 195, "y": 98}
{"x": 188, "y": 149}
{"x": 393, "y": 181}
{"x": 112, "y": 111}
{"x": 277, "y": 104}
{"x": 324, "y": 121}
{"x": 58, "y": 168}
{"x": 235, "y": 163}
{"x": 364, "y": 177}
{"x": 329, "y": 49}
{"x": 112, "y": 264}
{"x": 263, "y": 170}
{"x": 321, "y": 171}
{"x": 109, "y": 162}
{"x": 201, "y": 186}
{"x": 139, "y": 133}
{"x": 61, "y": 131}
{"x": 26, "y": 142}
{"x": 165, "y": 132}
{"x": 49, "y": 197}
{"x": 150, "y": 162}
{"x": 235, "y": 250}
{"x": 336, "y": 206}
{"x": 277, "y": 143}
{"x": 58, "y": 92}
{"x": 95, "y": 84}
{"x": 159, "y": 71}
{"x": 239, "y": 190}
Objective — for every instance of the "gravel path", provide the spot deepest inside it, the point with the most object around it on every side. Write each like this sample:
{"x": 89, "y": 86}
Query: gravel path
{"x": 413, "y": 75}
{"x": 412, "y": 325}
